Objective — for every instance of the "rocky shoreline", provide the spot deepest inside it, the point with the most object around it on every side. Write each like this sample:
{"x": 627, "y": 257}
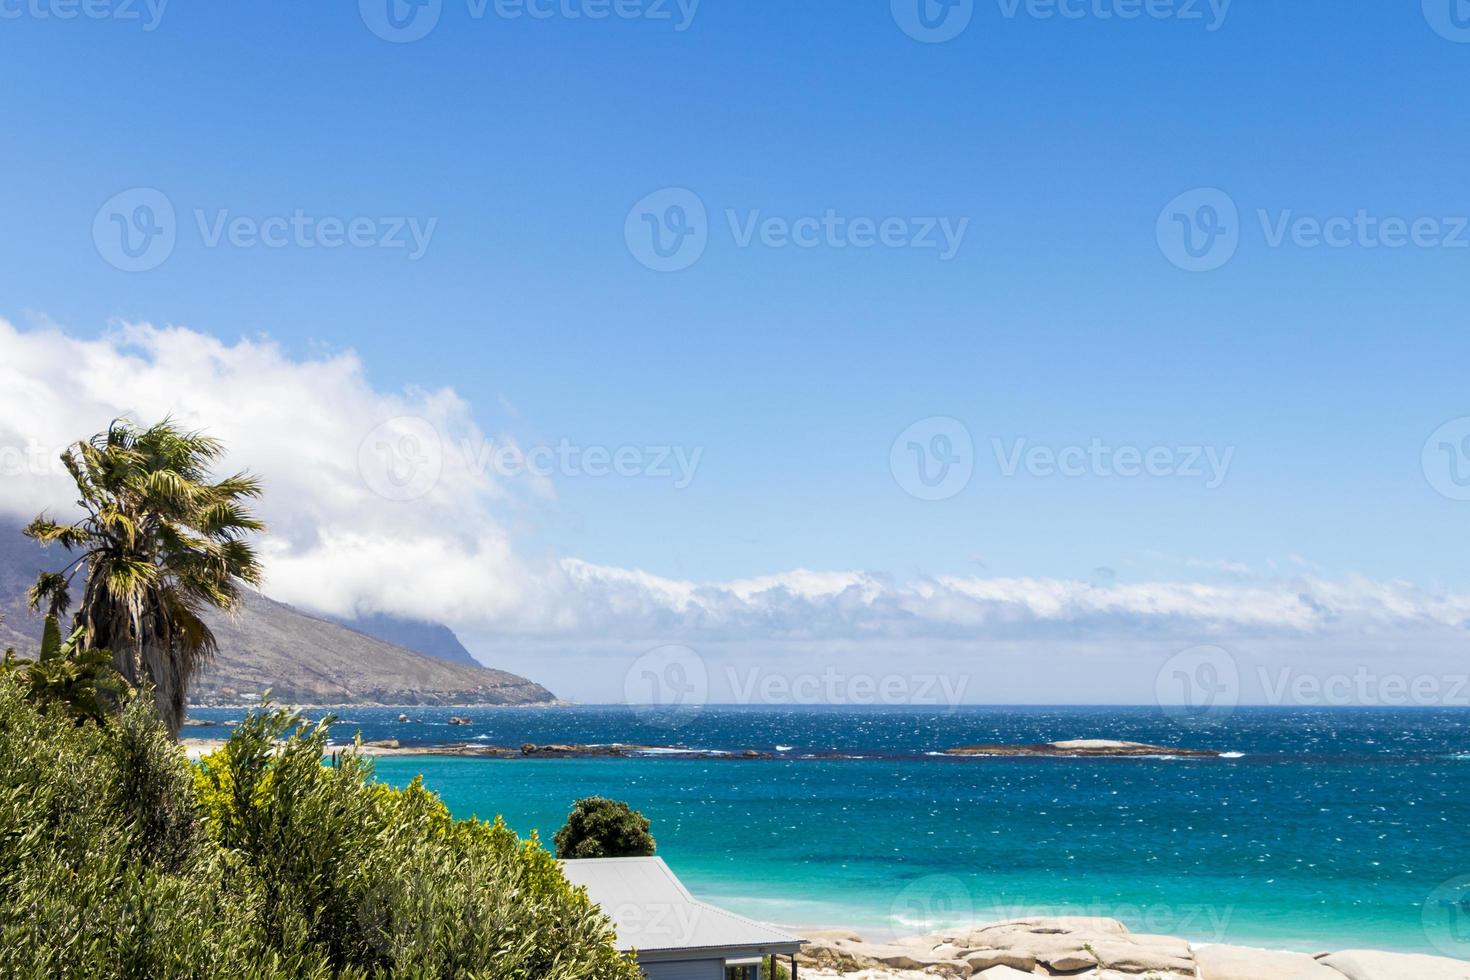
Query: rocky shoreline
{"x": 1095, "y": 949}
{"x": 1077, "y": 749}
{"x": 482, "y": 750}
{"x": 1082, "y": 748}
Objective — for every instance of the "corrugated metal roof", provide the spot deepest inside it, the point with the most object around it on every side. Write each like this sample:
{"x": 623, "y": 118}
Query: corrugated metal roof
{"x": 653, "y": 911}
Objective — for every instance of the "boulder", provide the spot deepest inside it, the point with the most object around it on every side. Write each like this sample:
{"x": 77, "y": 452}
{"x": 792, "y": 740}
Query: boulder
{"x": 829, "y": 935}
{"x": 1357, "y": 964}
{"x": 1130, "y": 954}
{"x": 837, "y": 954}
{"x": 1005, "y": 973}
{"x": 1244, "y": 963}
{"x": 1061, "y": 945}
{"x": 981, "y": 960}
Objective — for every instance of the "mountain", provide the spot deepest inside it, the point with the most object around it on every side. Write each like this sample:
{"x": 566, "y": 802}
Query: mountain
{"x": 268, "y": 645}
{"x": 431, "y": 639}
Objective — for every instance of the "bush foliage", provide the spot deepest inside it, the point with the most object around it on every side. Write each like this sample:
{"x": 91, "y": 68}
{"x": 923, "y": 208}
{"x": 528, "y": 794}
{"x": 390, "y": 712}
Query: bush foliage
{"x": 599, "y": 827}
{"x": 118, "y": 858}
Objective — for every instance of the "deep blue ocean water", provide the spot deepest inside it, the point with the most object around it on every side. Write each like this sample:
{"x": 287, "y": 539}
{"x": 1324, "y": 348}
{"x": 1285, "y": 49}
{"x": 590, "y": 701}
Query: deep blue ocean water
{"x": 1332, "y": 827}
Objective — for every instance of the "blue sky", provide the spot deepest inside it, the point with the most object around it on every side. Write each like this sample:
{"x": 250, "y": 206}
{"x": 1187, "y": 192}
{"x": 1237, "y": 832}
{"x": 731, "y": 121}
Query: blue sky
{"x": 1059, "y": 320}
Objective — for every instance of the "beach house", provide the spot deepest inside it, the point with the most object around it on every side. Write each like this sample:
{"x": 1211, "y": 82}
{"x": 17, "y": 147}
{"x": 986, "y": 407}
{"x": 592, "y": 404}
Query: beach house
{"x": 674, "y": 935}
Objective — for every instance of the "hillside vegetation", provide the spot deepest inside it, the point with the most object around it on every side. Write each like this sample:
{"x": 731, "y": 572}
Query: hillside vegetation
{"x": 120, "y": 859}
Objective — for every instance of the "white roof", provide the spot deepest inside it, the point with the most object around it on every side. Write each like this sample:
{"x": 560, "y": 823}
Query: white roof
{"x": 653, "y": 911}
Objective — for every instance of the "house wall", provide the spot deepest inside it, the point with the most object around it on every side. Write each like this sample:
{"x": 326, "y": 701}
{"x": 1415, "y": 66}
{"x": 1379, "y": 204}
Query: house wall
{"x": 684, "y": 970}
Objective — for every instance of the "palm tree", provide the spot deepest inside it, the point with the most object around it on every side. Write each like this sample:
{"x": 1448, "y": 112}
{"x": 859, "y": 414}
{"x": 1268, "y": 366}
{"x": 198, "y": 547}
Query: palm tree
{"x": 81, "y": 681}
{"x": 161, "y": 542}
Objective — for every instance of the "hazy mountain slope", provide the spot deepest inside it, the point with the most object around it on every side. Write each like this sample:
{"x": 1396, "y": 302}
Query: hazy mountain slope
{"x": 269, "y": 645}
{"x": 430, "y": 639}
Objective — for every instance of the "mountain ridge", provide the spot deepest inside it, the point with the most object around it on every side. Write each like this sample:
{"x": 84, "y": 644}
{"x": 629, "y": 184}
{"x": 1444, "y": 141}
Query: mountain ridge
{"x": 266, "y": 645}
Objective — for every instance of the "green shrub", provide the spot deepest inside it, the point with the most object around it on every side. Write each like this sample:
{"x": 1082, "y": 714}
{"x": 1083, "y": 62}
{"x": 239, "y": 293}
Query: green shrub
{"x": 120, "y": 859}
{"x": 599, "y": 827}
{"x": 103, "y": 870}
{"x": 385, "y": 880}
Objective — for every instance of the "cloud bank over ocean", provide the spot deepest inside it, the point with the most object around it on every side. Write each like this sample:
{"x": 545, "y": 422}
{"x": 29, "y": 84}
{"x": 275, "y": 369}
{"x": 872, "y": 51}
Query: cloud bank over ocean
{"x": 446, "y": 548}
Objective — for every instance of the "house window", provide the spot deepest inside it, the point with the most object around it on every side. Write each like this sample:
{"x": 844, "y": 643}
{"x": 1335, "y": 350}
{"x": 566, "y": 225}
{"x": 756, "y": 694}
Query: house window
{"x": 749, "y": 972}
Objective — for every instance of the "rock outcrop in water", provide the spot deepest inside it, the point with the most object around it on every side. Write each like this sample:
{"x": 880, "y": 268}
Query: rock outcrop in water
{"x": 1095, "y": 949}
{"x": 1080, "y": 748}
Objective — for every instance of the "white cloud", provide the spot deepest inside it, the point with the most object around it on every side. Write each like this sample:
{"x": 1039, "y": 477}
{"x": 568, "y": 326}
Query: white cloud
{"x": 337, "y": 545}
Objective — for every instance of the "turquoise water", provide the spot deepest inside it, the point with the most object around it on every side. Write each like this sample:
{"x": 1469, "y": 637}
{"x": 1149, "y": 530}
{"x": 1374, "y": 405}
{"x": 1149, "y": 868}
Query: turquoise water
{"x": 1333, "y": 828}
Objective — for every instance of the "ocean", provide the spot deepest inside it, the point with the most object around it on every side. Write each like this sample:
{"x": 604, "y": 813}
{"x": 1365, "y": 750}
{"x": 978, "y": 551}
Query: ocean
{"x": 1324, "y": 828}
